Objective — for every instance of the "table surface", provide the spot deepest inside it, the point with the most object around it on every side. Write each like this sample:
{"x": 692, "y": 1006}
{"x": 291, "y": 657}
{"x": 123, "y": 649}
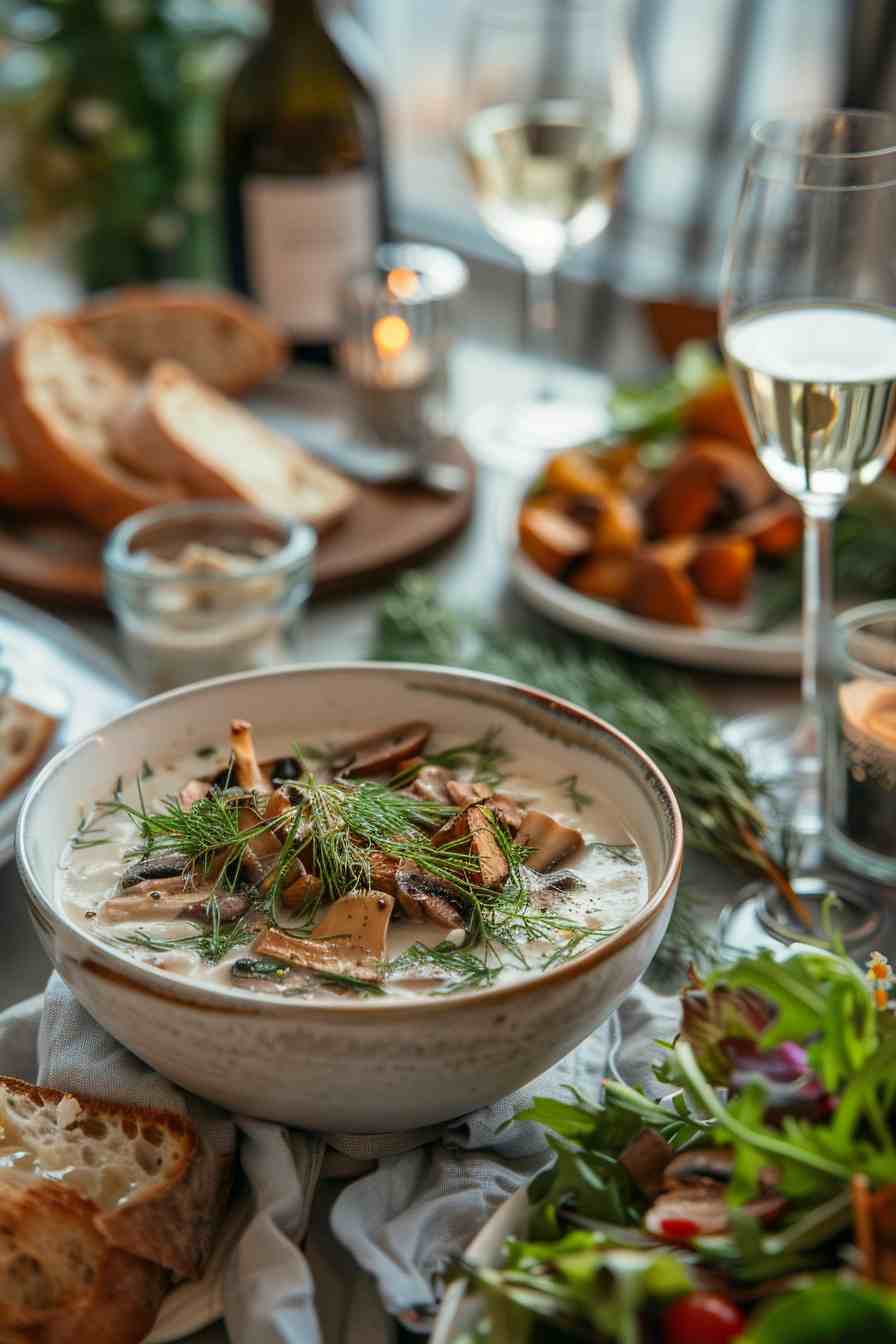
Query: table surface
{"x": 471, "y": 571}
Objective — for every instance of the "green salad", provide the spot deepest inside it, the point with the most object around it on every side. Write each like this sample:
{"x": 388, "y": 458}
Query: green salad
{"x": 756, "y": 1202}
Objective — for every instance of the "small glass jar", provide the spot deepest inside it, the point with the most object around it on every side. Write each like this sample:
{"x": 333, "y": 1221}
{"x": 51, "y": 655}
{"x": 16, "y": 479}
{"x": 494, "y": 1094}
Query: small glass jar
{"x": 204, "y": 588}
{"x": 861, "y": 742}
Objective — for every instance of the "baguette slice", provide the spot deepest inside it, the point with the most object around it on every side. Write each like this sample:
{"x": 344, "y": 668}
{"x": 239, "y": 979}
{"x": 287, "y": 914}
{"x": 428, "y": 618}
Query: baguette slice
{"x": 62, "y": 398}
{"x": 25, "y": 734}
{"x": 21, "y": 488}
{"x": 155, "y": 1191}
{"x": 60, "y": 1280}
{"x": 228, "y": 343}
{"x": 191, "y": 435}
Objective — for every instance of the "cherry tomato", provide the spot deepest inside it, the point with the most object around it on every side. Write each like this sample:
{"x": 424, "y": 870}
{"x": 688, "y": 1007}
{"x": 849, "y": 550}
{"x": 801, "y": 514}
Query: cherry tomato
{"x": 702, "y": 1318}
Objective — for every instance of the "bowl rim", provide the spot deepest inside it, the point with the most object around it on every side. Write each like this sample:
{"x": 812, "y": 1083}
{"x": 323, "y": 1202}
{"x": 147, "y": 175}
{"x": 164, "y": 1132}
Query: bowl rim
{"x": 184, "y": 992}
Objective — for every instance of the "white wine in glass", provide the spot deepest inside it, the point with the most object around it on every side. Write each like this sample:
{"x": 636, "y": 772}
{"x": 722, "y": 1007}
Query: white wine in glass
{"x": 808, "y": 326}
{"x": 545, "y": 177}
{"x": 551, "y": 112}
{"x": 817, "y": 384}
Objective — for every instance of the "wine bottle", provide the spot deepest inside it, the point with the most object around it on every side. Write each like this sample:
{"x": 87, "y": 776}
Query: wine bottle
{"x": 303, "y": 176}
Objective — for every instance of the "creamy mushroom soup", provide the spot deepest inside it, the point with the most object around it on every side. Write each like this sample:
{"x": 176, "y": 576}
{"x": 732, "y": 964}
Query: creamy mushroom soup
{"x": 399, "y": 863}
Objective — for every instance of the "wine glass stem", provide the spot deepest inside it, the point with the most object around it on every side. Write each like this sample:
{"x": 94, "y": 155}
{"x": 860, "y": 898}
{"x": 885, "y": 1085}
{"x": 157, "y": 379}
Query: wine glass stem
{"x": 818, "y": 598}
{"x": 541, "y": 322}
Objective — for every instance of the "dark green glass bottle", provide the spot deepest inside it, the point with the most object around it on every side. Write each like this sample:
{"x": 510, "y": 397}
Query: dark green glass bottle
{"x": 302, "y": 164}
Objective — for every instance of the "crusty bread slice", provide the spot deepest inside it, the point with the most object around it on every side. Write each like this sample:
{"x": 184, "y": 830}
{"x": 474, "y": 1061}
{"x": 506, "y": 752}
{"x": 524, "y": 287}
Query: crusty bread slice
{"x": 189, "y": 434}
{"x": 155, "y": 1191}
{"x": 60, "y": 1280}
{"x": 21, "y": 488}
{"x": 25, "y": 734}
{"x": 62, "y": 398}
{"x": 228, "y": 343}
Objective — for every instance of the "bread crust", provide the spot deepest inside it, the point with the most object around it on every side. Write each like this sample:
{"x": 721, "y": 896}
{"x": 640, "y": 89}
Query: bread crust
{"x": 39, "y": 728}
{"x": 115, "y": 1296}
{"x": 94, "y": 486}
{"x": 181, "y": 303}
{"x": 173, "y": 1223}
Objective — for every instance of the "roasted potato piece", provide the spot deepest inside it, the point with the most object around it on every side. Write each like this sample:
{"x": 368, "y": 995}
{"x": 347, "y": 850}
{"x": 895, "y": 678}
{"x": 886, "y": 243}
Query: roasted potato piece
{"x": 550, "y": 539}
{"x": 618, "y": 529}
{"x": 775, "y": 530}
{"x": 714, "y": 409}
{"x": 743, "y": 480}
{"x": 686, "y": 498}
{"x": 617, "y": 459}
{"x": 723, "y": 568}
{"x": 606, "y": 577}
{"x": 663, "y": 593}
{"x": 577, "y": 472}
{"x": 677, "y": 552}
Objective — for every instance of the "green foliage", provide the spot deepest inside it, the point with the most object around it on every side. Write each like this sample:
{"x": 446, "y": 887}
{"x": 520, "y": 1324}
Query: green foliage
{"x": 111, "y": 109}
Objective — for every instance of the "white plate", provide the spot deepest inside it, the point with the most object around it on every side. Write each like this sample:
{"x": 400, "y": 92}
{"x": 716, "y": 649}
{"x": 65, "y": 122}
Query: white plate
{"x": 60, "y": 673}
{"x": 192, "y": 1306}
{"x": 726, "y": 643}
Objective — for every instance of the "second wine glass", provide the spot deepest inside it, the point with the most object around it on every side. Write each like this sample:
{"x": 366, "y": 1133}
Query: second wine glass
{"x": 808, "y": 324}
{"x": 551, "y": 108}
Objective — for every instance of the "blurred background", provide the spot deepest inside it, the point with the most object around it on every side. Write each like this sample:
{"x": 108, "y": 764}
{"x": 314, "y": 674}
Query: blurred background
{"x": 109, "y": 113}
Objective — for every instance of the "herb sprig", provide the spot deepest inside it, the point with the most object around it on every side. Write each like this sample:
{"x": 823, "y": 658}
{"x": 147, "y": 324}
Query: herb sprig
{"x": 719, "y": 798}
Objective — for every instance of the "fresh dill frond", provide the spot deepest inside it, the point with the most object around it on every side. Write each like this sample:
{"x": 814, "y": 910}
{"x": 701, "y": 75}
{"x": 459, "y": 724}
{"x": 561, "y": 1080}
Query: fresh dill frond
{"x": 212, "y": 944}
{"x": 465, "y": 968}
{"x": 208, "y": 828}
{"x": 86, "y": 835}
{"x": 578, "y": 798}
{"x": 484, "y": 757}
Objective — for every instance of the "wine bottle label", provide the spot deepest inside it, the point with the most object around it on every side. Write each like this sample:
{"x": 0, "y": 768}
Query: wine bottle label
{"x": 303, "y": 236}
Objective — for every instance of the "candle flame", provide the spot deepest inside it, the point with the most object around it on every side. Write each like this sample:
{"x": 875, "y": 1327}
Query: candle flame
{"x": 402, "y": 282}
{"x": 391, "y": 335}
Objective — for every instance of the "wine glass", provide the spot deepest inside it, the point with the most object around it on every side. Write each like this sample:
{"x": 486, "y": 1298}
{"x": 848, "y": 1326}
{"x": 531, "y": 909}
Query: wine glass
{"x": 808, "y": 327}
{"x": 551, "y": 109}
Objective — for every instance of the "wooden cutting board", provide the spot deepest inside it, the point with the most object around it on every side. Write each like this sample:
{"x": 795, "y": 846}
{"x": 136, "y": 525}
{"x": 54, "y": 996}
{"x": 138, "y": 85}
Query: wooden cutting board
{"x": 59, "y": 562}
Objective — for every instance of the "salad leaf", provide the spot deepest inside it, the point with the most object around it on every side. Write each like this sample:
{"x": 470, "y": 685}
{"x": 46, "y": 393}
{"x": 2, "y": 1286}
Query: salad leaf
{"x": 829, "y": 1311}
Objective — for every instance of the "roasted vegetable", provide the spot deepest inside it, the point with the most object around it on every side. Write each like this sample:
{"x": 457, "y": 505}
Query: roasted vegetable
{"x": 662, "y": 592}
{"x": 723, "y": 568}
{"x": 550, "y": 539}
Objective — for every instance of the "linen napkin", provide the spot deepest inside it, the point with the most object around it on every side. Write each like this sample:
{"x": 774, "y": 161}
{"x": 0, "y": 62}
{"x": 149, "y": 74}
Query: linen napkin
{"x": 401, "y": 1223}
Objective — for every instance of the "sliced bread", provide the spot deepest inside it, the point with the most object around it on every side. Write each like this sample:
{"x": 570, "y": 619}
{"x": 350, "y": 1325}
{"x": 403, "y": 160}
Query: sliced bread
{"x": 62, "y": 398}
{"x": 228, "y": 343}
{"x": 154, "y": 1190}
{"x": 61, "y": 1282}
{"x": 25, "y": 734}
{"x": 21, "y": 488}
{"x": 188, "y": 434}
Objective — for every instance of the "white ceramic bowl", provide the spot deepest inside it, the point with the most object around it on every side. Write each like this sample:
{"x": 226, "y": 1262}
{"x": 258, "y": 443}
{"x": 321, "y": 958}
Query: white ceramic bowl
{"x": 351, "y": 1067}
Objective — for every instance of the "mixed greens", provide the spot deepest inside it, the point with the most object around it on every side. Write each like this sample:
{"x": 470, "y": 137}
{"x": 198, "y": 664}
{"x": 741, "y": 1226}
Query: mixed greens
{"x": 756, "y": 1202}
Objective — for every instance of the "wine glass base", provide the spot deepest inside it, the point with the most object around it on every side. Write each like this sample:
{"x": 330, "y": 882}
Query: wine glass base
{"x": 780, "y": 749}
{"x": 761, "y": 918}
{"x": 519, "y": 438}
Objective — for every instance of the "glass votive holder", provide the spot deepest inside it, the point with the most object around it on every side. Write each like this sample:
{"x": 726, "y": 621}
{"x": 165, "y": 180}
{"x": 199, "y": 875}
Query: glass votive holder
{"x": 398, "y": 332}
{"x": 861, "y": 742}
{"x": 441, "y": 277}
{"x": 204, "y": 588}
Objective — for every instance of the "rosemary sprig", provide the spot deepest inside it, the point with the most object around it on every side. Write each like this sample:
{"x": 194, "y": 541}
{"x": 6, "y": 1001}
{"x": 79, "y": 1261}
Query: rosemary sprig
{"x": 717, "y": 794}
